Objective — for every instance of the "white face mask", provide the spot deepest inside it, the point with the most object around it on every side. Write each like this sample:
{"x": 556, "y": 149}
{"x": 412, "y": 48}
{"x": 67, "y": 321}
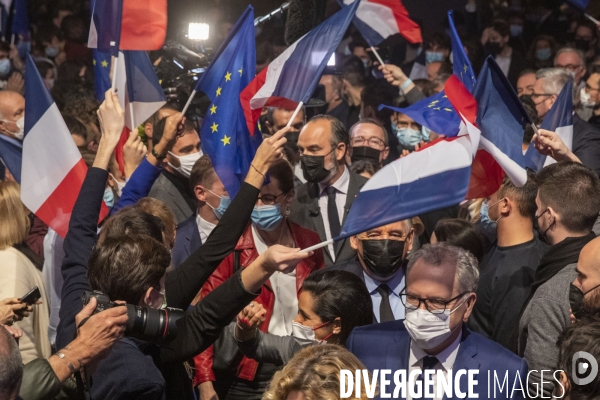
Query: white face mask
{"x": 426, "y": 329}
{"x": 300, "y": 331}
{"x": 20, "y": 134}
{"x": 585, "y": 99}
{"x": 186, "y": 163}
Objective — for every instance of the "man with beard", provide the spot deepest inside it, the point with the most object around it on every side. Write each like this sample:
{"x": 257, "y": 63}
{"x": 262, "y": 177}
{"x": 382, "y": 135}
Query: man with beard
{"x": 584, "y": 292}
{"x": 323, "y": 202}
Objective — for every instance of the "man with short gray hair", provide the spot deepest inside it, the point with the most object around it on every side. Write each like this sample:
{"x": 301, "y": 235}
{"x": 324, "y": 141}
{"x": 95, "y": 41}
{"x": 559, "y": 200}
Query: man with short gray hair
{"x": 585, "y": 142}
{"x": 440, "y": 294}
{"x": 573, "y": 61}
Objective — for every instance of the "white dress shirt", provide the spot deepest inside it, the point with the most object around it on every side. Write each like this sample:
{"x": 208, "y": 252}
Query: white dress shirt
{"x": 504, "y": 62}
{"x": 396, "y": 284}
{"x": 341, "y": 186}
{"x": 204, "y": 227}
{"x": 285, "y": 307}
{"x": 445, "y": 358}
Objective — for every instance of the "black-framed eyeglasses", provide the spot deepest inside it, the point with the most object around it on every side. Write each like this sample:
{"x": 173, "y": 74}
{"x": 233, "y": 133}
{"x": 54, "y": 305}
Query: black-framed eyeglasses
{"x": 373, "y": 142}
{"x": 434, "y": 306}
{"x": 589, "y": 88}
{"x": 536, "y": 95}
{"x": 269, "y": 199}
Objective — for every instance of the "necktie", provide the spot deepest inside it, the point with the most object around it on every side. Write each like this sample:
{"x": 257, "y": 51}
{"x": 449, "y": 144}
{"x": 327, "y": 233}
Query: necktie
{"x": 429, "y": 363}
{"x": 385, "y": 309}
{"x": 332, "y": 212}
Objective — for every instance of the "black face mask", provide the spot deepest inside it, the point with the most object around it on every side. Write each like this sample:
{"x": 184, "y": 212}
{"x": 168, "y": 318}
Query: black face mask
{"x": 493, "y": 48}
{"x": 292, "y": 138}
{"x": 576, "y": 299}
{"x": 365, "y": 153}
{"x": 383, "y": 257}
{"x": 582, "y": 44}
{"x": 313, "y": 168}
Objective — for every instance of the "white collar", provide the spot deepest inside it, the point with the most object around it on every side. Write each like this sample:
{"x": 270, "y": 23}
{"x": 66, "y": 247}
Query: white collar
{"x": 204, "y": 224}
{"x": 445, "y": 357}
{"x": 341, "y": 185}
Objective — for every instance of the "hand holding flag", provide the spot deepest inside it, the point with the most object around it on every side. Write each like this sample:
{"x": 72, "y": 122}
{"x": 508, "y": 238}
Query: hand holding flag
{"x": 549, "y": 143}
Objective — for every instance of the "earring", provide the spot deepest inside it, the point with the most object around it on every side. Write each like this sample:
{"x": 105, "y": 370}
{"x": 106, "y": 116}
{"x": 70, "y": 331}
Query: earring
{"x": 287, "y": 211}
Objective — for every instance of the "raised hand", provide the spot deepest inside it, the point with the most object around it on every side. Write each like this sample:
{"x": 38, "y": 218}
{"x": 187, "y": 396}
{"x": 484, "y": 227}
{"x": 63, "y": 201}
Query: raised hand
{"x": 270, "y": 150}
{"x": 248, "y": 320}
{"x": 393, "y": 74}
{"x": 548, "y": 143}
{"x": 13, "y": 310}
{"x": 134, "y": 151}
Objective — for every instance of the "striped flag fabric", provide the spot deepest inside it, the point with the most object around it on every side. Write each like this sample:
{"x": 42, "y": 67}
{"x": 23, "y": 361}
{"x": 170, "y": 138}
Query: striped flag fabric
{"x": 105, "y": 27}
{"x": 559, "y": 119}
{"x": 379, "y": 19}
{"x": 53, "y": 169}
{"x": 293, "y": 76}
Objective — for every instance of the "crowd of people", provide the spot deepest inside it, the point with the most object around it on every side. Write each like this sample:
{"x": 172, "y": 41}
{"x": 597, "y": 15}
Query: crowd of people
{"x": 181, "y": 292}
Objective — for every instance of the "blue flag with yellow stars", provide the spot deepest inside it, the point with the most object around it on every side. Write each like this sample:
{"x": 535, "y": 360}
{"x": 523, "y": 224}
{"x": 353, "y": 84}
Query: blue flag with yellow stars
{"x": 461, "y": 65}
{"x": 224, "y": 133}
{"x": 101, "y": 73}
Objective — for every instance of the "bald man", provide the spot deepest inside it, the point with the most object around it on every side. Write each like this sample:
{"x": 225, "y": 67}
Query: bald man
{"x": 585, "y": 295}
{"x": 12, "y": 114}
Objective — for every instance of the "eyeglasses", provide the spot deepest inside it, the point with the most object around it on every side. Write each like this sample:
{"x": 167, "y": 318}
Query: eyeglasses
{"x": 536, "y": 95}
{"x": 588, "y": 88}
{"x": 434, "y": 306}
{"x": 269, "y": 199}
{"x": 373, "y": 142}
{"x": 570, "y": 67}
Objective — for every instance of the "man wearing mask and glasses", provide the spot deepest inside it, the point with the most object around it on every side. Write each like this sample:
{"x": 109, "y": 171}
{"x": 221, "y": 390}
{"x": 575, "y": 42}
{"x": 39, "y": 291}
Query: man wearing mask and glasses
{"x": 322, "y": 203}
{"x": 173, "y": 185}
{"x": 368, "y": 141}
{"x": 567, "y": 207}
{"x": 379, "y": 263}
{"x": 439, "y": 296}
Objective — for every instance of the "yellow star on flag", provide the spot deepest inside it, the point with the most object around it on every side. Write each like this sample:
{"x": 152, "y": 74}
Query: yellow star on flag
{"x": 104, "y": 63}
{"x": 226, "y": 140}
{"x": 240, "y": 71}
{"x": 213, "y": 109}
{"x": 94, "y": 62}
{"x": 214, "y": 127}
{"x": 218, "y": 91}
{"x": 228, "y": 77}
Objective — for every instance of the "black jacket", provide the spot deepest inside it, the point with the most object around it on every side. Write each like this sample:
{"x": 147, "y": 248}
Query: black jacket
{"x": 586, "y": 143}
{"x": 306, "y": 213}
{"x": 201, "y": 326}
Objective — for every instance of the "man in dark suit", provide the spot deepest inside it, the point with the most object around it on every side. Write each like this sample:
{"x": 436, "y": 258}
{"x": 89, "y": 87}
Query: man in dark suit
{"x": 323, "y": 202}
{"x": 586, "y": 138}
{"x": 379, "y": 263}
{"x": 212, "y": 201}
{"x": 440, "y": 294}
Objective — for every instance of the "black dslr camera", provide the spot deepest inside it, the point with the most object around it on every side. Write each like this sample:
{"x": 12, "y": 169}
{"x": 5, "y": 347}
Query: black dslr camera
{"x": 149, "y": 324}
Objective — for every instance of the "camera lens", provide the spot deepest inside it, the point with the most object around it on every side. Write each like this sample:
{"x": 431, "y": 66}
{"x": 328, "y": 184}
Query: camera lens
{"x": 152, "y": 325}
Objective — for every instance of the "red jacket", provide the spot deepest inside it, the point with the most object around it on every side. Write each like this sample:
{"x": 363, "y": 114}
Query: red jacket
{"x": 302, "y": 238}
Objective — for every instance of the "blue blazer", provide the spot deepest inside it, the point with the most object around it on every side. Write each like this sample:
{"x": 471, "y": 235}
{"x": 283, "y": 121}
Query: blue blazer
{"x": 187, "y": 241}
{"x": 387, "y": 346}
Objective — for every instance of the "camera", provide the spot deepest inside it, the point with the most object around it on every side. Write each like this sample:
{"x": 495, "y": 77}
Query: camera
{"x": 152, "y": 325}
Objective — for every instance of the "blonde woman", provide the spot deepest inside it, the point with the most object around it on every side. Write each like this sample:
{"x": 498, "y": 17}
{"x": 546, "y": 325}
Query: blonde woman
{"x": 18, "y": 275}
{"x": 313, "y": 374}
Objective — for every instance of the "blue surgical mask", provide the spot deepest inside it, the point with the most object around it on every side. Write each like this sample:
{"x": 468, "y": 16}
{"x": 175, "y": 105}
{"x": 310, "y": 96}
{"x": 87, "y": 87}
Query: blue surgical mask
{"x": 52, "y": 51}
{"x": 484, "y": 218}
{"x": 109, "y": 197}
{"x": 223, "y": 204}
{"x": 543, "y": 54}
{"x": 4, "y": 67}
{"x": 267, "y": 218}
{"x": 516, "y": 30}
{"x": 432, "y": 56}
{"x": 407, "y": 137}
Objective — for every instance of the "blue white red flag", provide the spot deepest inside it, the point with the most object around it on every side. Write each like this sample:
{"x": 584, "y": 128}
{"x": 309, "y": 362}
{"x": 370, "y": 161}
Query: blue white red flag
{"x": 53, "y": 169}
{"x": 378, "y": 19}
{"x": 105, "y": 27}
{"x": 293, "y": 76}
{"x": 559, "y": 119}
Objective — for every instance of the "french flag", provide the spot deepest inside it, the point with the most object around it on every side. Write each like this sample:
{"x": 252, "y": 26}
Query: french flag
{"x": 53, "y": 169}
{"x": 292, "y": 77}
{"x": 105, "y": 27}
{"x": 11, "y": 154}
{"x": 140, "y": 93}
{"x": 560, "y": 120}
{"x": 378, "y": 19}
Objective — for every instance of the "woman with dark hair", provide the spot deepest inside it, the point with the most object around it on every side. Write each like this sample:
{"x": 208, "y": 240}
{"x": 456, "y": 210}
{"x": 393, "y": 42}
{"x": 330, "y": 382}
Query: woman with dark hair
{"x": 330, "y": 305}
{"x": 247, "y": 379}
{"x": 459, "y": 233}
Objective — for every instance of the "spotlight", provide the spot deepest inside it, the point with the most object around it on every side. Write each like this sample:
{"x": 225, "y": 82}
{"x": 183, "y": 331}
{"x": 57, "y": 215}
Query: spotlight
{"x": 198, "y": 31}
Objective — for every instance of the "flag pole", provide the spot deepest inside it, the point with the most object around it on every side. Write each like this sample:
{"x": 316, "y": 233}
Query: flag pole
{"x": 114, "y": 76}
{"x": 378, "y": 57}
{"x": 131, "y": 116}
{"x": 187, "y": 105}
{"x": 594, "y": 20}
{"x": 535, "y": 129}
{"x": 296, "y": 111}
{"x": 317, "y": 246}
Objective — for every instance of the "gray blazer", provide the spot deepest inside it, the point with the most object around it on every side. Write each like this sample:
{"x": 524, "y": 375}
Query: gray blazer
{"x": 305, "y": 212}
{"x": 165, "y": 191}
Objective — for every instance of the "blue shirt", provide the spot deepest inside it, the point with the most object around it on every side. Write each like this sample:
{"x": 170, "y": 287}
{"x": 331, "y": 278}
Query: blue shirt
{"x": 396, "y": 284}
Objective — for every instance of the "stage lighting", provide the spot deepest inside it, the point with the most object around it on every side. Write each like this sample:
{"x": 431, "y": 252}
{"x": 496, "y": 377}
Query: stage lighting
{"x": 198, "y": 31}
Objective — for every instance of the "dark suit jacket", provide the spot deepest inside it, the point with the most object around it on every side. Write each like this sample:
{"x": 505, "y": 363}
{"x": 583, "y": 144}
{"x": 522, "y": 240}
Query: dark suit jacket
{"x": 586, "y": 143}
{"x": 306, "y": 213}
{"x": 387, "y": 346}
{"x": 173, "y": 191}
{"x": 517, "y": 65}
{"x": 187, "y": 241}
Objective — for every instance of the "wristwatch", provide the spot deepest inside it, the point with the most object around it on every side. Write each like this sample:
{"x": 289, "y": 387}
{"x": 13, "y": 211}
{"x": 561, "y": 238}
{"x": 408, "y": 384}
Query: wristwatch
{"x": 158, "y": 156}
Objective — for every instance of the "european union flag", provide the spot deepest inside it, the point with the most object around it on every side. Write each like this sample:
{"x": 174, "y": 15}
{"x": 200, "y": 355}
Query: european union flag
{"x": 461, "y": 64}
{"x": 101, "y": 73}
{"x": 225, "y": 135}
{"x": 580, "y": 4}
{"x": 20, "y": 19}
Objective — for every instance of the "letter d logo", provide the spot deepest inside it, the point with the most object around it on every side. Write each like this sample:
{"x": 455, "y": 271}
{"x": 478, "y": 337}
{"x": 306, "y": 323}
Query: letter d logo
{"x": 584, "y": 368}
